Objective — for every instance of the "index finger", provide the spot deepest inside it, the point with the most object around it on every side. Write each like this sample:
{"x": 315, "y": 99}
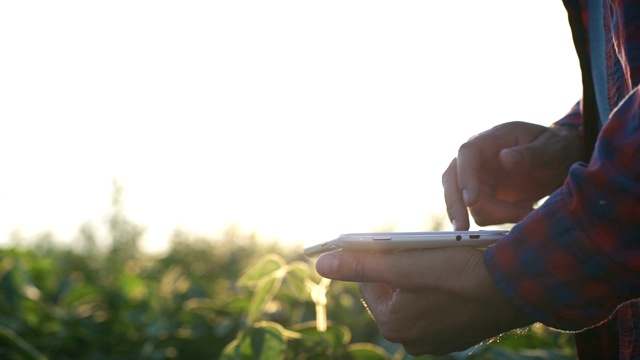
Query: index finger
{"x": 469, "y": 162}
{"x": 456, "y": 208}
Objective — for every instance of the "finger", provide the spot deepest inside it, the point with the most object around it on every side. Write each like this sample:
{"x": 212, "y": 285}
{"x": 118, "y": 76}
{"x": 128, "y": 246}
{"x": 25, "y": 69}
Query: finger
{"x": 483, "y": 151}
{"x": 456, "y": 209}
{"x": 528, "y": 157}
{"x": 357, "y": 266}
{"x": 468, "y": 165}
{"x": 388, "y": 309}
{"x": 492, "y": 212}
{"x": 543, "y": 151}
{"x": 376, "y": 297}
{"x": 540, "y": 146}
{"x": 398, "y": 269}
{"x": 511, "y": 159}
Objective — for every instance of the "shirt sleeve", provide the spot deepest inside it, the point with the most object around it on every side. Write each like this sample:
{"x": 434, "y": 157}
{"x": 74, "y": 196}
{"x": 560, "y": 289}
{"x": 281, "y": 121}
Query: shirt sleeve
{"x": 573, "y": 118}
{"x": 570, "y": 263}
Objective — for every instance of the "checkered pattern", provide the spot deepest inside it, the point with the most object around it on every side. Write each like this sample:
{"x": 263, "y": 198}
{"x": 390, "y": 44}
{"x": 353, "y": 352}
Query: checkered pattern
{"x": 574, "y": 263}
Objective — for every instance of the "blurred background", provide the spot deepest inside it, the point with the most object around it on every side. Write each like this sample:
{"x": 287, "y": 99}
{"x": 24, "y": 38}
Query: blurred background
{"x": 294, "y": 120}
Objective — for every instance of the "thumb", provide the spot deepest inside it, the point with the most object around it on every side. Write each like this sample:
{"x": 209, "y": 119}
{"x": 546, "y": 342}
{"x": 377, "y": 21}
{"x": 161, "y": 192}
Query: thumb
{"x": 510, "y": 159}
{"x": 363, "y": 266}
{"x": 528, "y": 157}
{"x": 552, "y": 148}
{"x": 403, "y": 269}
{"x": 351, "y": 266}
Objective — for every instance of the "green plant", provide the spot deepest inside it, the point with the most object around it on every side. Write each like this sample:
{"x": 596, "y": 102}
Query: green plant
{"x": 277, "y": 285}
{"x": 235, "y": 297}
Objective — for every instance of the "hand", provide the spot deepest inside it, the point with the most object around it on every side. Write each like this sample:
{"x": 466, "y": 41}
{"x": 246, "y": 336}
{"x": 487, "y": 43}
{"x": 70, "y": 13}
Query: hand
{"x": 431, "y": 301}
{"x": 501, "y": 173}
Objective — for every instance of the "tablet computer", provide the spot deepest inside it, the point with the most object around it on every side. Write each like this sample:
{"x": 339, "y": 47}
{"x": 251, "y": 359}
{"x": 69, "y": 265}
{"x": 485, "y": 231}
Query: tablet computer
{"x": 406, "y": 240}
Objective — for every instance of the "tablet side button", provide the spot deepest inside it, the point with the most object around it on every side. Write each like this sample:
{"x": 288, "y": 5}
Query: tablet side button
{"x": 380, "y": 238}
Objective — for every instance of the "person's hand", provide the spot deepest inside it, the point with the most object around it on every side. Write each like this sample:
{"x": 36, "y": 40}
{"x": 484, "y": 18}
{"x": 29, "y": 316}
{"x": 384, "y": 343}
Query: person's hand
{"x": 501, "y": 173}
{"x": 431, "y": 301}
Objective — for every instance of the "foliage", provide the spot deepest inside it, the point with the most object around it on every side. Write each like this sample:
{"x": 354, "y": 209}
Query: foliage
{"x": 230, "y": 298}
{"x": 188, "y": 304}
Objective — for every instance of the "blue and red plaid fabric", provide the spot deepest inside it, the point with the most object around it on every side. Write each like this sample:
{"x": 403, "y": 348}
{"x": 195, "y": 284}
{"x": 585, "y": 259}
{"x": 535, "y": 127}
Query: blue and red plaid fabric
{"x": 574, "y": 263}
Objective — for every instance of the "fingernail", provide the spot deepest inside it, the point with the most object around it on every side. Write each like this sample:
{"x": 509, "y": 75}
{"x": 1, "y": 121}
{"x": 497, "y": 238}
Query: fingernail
{"x": 511, "y": 158}
{"x": 465, "y": 196}
{"x": 327, "y": 264}
{"x": 455, "y": 224}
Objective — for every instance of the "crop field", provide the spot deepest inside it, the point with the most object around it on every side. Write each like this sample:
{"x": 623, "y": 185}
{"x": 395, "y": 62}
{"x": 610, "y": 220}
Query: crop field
{"x": 236, "y": 297}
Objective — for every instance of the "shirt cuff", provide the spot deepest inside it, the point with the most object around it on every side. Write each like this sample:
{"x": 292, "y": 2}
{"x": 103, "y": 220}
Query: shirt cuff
{"x": 552, "y": 271}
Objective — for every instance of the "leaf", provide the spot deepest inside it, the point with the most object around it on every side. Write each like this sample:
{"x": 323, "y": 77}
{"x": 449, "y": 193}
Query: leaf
{"x": 9, "y": 289}
{"x": 268, "y": 341}
{"x": 264, "y": 341}
{"x": 231, "y": 351}
{"x": 536, "y": 336}
{"x": 174, "y": 282}
{"x": 21, "y": 279}
{"x": 266, "y": 266}
{"x": 365, "y": 351}
{"x": 262, "y": 295}
{"x": 200, "y": 303}
{"x": 297, "y": 276}
{"x": 336, "y": 334}
{"x": 27, "y": 350}
{"x": 80, "y": 294}
{"x": 133, "y": 287}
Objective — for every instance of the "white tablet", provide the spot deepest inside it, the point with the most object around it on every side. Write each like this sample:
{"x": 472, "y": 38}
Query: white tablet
{"x": 406, "y": 240}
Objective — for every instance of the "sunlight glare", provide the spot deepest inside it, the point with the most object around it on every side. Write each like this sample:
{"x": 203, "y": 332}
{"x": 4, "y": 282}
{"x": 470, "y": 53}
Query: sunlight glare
{"x": 292, "y": 119}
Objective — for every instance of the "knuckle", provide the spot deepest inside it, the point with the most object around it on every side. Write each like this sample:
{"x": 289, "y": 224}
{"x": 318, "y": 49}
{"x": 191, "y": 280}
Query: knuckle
{"x": 480, "y": 221}
{"x": 359, "y": 269}
{"x": 447, "y": 175}
{"x": 391, "y": 331}
{"x": 468, "y": 146}
{"x": 392, "y": 336}
{"x": 480, "y": 216}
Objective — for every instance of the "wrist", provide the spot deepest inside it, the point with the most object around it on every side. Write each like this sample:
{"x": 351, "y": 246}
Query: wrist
{"x": 573, "y": 136}
{"x": 508, "y": 314}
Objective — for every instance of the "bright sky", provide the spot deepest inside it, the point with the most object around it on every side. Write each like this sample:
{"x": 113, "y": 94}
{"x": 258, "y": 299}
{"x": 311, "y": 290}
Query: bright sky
{"x": 297, "y": 119}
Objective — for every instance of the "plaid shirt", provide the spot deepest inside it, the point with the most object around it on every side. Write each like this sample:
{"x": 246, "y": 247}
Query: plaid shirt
{"x": 574, "y": 263}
